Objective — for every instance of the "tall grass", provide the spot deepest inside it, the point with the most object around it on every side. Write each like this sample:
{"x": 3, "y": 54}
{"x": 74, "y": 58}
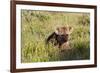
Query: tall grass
{"x": 36, "y": 26}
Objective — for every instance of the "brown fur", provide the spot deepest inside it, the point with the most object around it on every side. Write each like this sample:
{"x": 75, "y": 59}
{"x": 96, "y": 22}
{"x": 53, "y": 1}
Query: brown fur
{"x": 60, "y": 37}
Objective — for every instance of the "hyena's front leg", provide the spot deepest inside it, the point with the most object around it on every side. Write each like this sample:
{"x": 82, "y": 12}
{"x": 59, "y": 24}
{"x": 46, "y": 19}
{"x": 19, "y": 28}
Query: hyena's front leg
{"x": 65, "y": 46}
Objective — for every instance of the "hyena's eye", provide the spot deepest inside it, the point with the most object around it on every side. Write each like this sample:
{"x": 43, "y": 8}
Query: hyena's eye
{"x": 64, "y": 35}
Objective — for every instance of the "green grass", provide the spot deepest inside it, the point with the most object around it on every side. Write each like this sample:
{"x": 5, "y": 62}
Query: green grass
{"x": 36, "y": 26}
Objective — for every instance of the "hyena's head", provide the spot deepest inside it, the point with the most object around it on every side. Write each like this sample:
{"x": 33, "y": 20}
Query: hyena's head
{"x": 64, "y": 30}
{"x": 63, "y": 36}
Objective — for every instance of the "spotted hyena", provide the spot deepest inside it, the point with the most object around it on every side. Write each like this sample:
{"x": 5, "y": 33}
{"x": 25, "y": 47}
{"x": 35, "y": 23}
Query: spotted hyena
{"x": 60, "y": 37}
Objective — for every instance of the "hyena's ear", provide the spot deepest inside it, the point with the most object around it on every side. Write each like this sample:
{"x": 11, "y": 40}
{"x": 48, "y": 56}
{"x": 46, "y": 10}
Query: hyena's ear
{"x": 57, "y": 30}
{"x": 70, "y": 30}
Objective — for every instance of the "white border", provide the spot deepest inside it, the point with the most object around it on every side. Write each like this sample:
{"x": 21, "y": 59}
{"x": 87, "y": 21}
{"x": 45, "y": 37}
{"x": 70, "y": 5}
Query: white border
{"x": 20, "y": 65}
